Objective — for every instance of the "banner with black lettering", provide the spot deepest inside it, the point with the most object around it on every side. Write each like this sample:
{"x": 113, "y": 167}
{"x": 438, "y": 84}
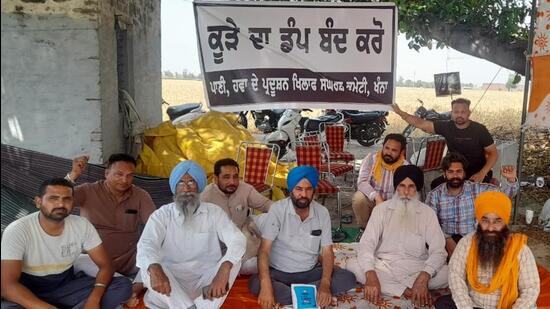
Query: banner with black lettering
{"x": 266, "y": 55}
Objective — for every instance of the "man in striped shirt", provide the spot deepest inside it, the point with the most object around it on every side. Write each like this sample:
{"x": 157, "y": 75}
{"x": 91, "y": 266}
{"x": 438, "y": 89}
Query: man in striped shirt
{"x": 453, "y": 201}
{"x": 375, "y": 181}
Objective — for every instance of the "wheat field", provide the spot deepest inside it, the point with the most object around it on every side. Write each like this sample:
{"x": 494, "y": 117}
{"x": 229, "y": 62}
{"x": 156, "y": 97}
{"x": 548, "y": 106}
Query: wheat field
{"x": 498, "y": 110}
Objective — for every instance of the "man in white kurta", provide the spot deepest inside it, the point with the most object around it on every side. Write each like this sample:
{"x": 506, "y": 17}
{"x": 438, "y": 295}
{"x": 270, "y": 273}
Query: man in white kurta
{"x": 402, "y": 251}
{"x": 179, "y": 251}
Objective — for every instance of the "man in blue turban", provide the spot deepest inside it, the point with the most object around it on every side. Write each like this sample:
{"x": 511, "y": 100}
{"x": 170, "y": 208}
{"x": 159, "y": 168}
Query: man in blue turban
{"x": 296, "y": 235}
{"x": 179, "y": 252}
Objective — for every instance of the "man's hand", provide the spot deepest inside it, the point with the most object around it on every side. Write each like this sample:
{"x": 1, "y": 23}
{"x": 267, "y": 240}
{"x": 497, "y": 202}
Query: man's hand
{"x": 92, "y": 303}
{"x": 378, "y": 199}
{"x": 478, "y": 177}
{"x": 372, "y": 287}
{"x": 79, "y": 167}
{"x": 509, "y": 172}
{"x": 266, "y": 298}
{"x": 420, "y": 295}
{"x": 450, "y": 245}
{"x": 159, "y": 281}
{"x": 396, "y": 109}
{"x": 219, "y": 285}
{"x": 324, "y": 297}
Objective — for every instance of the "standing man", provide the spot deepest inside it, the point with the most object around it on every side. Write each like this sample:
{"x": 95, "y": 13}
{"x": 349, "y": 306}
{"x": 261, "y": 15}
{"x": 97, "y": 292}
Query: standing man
{"x": 115, "y": 207}
{"x": 402, "y": 252}
{"x": 179, "y": 252}
{"x": 491, "y": 267}
{"x": 237, "y": 198}
{"x": 38, "y": 253}
{"x": 453, "y": 201}
{"x": 297, "y": 246}
{"x": 375, "y": 181}
{"x": 462, "y": 135}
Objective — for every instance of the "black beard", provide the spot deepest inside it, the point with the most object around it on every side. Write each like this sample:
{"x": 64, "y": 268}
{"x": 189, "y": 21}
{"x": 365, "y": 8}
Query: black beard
{"x": 224, "y": 190}
{"x": 55, "y": 217}
{"x": 490, "y": 248}
{"x": 388, "y": 159}
{"x": 301, "y": 203}
{"x": 455, "y": 183}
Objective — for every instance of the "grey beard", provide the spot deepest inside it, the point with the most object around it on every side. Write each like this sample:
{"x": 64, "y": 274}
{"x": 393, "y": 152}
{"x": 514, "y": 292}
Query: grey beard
{"x": 406, "y": 212}
{"x": 188, "y": 203}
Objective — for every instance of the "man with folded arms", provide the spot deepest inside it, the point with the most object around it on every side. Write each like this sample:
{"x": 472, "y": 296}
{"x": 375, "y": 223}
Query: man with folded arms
{"x": 40, "y": 249}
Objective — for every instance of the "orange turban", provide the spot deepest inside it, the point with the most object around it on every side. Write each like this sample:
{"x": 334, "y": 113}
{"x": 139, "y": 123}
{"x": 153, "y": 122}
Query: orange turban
{"x": 493, "y": 202}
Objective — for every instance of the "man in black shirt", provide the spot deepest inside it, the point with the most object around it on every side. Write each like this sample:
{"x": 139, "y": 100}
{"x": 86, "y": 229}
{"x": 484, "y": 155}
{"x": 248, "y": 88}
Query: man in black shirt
{"x": 462, "y": 135}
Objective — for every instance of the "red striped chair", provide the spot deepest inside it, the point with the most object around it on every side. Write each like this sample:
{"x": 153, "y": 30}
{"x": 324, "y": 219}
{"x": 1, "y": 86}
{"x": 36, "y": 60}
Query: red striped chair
{"x": 336, "y": 138}
{"x": 435, "y": 148}
{"x": 257, "y": 158}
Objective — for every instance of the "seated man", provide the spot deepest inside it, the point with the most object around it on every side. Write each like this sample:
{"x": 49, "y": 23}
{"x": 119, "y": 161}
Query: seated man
{"x": 38, "y": 253}
{"x": 491, "y": 267}
{"x": 115, "y": 207}
{"x": 375, "y": 181}
{"x": 179, "y": 251}
{"x": 296, "y": 236}
{"x": 453, "y": 201}
{"x": 236, "y": 198}
{"x": 402, "y": 252}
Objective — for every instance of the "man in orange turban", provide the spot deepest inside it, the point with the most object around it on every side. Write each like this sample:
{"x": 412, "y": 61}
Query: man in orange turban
{"x": 492, "y": 267}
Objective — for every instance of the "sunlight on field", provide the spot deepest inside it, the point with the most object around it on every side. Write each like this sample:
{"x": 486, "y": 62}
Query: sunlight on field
{"x": 496, "y": 109}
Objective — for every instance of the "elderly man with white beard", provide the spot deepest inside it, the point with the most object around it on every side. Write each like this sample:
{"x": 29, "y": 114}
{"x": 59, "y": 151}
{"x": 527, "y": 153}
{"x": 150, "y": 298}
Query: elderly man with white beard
{"x": 402, "y": 252}
{"x": 179, "y": 251}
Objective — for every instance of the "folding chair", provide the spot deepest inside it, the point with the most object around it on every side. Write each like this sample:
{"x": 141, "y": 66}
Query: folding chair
{"x": 311, "y": 137}
{"x": 435, "y": 148}
{"x": 336, "y": 137}
{"x": 327, "y": 165}
{"x": 257, "y": 159}
{"x": 433, "y": 155}
{"x": 310, "y": 154}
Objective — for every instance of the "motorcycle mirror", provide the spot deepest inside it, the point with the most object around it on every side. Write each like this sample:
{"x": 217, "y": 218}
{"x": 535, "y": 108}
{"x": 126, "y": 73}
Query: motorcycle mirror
{"x": 307, "y": 110}
{"x": 421, "y": 102}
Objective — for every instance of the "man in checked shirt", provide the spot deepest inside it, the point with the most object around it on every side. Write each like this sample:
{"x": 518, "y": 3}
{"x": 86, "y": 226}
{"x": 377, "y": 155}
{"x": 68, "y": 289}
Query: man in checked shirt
{"x": 453, "y": 201}
{"x": 492, "y": 267}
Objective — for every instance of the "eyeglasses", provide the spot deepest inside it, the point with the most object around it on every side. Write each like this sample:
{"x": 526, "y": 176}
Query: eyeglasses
{"x": 188, "y": 184}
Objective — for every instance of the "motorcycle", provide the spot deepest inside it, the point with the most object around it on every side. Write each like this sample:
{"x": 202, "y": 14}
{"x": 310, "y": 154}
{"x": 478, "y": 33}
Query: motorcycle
{"x": 366, "y": 127}
{"x": 288, "y": 128}
{"x": 424, "y": 113}
{"x": 265, "y": 120}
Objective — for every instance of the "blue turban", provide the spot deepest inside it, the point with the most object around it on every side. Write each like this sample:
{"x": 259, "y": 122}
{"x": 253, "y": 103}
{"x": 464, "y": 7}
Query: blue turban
{"x": 187, "y": 167}
{"x": 298, "y": 173}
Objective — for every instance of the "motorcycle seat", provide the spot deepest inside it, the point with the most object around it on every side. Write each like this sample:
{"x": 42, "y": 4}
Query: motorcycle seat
{"x": 182, "y": 109}
{"x": 313, "y": 123}
{"x": 358, "y": 117}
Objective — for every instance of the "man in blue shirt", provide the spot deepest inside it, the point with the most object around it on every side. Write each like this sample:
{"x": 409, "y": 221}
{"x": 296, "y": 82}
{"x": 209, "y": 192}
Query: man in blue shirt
{"x": 453, "y": 201}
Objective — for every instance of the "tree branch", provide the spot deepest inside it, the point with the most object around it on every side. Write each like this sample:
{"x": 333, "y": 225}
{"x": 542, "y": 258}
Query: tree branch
{"x": 473, "y": 41}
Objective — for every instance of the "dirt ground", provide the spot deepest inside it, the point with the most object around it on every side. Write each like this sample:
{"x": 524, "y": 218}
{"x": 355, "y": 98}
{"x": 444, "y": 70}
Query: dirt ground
{"x": 539, "y": 241}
